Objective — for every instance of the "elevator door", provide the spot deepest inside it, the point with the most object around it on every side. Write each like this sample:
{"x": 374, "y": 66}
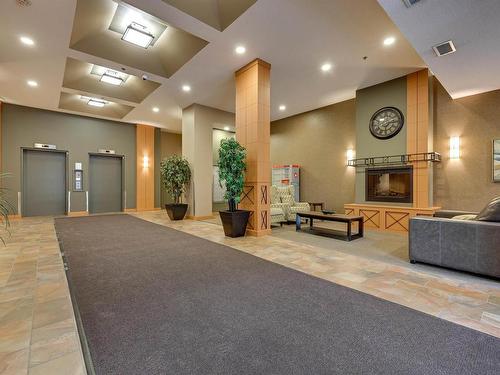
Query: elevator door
{"x": 44, "y": 183}
{"x": 105, "y": 184}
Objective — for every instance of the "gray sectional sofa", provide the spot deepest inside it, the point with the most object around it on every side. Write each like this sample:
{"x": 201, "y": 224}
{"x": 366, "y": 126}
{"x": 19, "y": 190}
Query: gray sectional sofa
{"x": 465, "y": 245}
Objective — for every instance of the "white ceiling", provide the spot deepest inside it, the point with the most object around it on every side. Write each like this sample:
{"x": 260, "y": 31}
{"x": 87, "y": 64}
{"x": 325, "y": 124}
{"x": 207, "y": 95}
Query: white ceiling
{"x": 295, "y": 36}
{"x": 474, "y": 28}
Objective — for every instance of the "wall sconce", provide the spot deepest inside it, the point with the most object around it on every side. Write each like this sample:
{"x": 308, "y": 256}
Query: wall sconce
{"x": 349, "y": 155}
{"x": 145, "y": 162}
{"x": 454, "y": 147}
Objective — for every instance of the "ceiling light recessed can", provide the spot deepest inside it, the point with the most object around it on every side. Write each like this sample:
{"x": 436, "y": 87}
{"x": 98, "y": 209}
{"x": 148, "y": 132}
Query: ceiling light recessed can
{"x": 240, "y": 50}
{"x": 282, "y": 107}
{"x": 32, "y": 83}
{"x": 156, "y": 109}
{"x": 326, "y": 67}
{"x": 186, "y": 88}
{"x": 389, "y": 41}
{"x": 138, "y": 35}
{"x": 27, "y": 41}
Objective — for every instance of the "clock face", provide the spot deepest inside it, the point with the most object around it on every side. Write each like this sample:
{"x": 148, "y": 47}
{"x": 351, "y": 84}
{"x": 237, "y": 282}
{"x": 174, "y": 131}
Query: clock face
{"x": 386, "y": 123}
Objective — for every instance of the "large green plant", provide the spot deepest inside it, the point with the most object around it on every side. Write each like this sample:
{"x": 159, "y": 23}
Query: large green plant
{"x": 232, "y": 170}
{"x": 5, "y": 207}
{"x": 175, "y": 176}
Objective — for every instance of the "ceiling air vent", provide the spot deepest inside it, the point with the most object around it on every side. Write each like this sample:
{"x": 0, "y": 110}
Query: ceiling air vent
{"x": 444, "y": 48}
{"x": 410, "y": 3}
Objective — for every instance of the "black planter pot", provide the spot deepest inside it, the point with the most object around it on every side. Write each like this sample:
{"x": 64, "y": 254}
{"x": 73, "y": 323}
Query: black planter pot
{"x": 176, "y": 211}
{"x": 234, "y": 223}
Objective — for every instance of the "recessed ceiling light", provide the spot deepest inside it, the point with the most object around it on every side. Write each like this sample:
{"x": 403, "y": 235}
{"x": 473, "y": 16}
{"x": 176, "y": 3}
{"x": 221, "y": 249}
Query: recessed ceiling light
{"x": 326, "y": 67}
{"x": 156, "y": 109}
{"x": 282, "y": 107}
{"x": 32, "y": 83}
{"x": 138, "y": 35}
{"x": 96, "y": 103}
{"x": 186, "y": 88}
{"x": 27, "y": 41}
{"x": 112, "y": 78}
{"x": 240, "y": 50}
{"x": 389, "y": 40}
{"x": 227, "y": 128}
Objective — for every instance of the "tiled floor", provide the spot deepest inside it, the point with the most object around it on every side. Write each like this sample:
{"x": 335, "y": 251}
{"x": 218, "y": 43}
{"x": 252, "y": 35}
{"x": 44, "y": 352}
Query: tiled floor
{"x": 38, "y": 334}
{"x": 37, "y": 328}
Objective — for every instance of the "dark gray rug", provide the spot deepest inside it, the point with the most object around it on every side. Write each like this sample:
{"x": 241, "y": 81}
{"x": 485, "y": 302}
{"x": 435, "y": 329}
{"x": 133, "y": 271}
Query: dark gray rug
{"x": 154, "y": 300}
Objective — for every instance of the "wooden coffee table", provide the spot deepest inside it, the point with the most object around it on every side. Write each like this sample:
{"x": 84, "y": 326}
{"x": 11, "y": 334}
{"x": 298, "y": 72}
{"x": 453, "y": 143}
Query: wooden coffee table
{"x": 346, "y": 236}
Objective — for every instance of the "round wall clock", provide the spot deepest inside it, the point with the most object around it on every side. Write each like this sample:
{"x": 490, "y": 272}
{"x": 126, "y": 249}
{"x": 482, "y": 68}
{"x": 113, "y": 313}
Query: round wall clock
{"x": 386, "y": 122}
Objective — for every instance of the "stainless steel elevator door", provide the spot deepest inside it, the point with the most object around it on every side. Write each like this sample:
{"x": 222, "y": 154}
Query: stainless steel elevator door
{"x": 105, "y": 184}
{"x": 44, "y": 183}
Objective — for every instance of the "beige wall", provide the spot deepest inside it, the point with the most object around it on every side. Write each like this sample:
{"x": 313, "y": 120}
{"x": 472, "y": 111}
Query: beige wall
{"x": 170, "y": 144}
{"x": 317, "y": 141}
{"x": 217, "y": 136}
{"x": 198, "y": 123}
{"x": 465, "y": 183}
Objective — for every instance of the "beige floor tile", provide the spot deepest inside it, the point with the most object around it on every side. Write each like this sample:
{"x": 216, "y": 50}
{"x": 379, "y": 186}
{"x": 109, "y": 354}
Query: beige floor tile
{"x": 53, "y": 341}
{"x": 68, "y": 364}
{"x": 14, "y": 363}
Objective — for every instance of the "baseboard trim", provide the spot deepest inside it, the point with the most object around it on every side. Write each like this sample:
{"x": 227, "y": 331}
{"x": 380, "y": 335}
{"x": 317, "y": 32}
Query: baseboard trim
{"x": 258, "y": 233}
{"x": 142, "y": 209}
{"x": 78, "y": 213}
{"x": 198, "y": 218}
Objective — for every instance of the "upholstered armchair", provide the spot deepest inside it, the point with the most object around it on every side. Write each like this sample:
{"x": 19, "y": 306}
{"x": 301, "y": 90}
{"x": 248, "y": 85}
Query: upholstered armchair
{"x": 286, "y": 195}
{"x": 277, "y": 209}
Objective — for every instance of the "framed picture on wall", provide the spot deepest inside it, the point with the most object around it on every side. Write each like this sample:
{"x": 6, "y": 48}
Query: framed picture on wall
{"x": 496, "y": 160}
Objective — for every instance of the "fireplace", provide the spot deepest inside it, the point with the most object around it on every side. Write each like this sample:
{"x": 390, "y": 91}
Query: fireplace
{"x": 389, "y": 185}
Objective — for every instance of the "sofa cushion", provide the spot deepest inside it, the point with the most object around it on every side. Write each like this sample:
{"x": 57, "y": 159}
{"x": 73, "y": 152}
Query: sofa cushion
{"x": 491, "y": 212}
{"x": 464, "y": 217}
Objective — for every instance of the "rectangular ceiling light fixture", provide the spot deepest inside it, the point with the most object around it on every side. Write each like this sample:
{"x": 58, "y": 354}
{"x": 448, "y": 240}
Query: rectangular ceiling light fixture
{"x": 138, "y": 35}
{"x": 96, "y": 103}
{"x": 112, "y": 78}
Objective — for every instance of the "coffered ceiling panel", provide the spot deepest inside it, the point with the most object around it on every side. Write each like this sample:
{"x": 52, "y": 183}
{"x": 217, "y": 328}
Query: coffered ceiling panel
{"x": 216, "y": 13}
{"x": 83, "y": 76}
{"x": 79, "y": 103}
{"x": 99, "y": 28}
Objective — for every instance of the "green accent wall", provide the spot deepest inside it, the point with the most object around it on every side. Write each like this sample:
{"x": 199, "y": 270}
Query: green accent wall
{"x": 368, "y": 101}
{"x": 79, "y": 135}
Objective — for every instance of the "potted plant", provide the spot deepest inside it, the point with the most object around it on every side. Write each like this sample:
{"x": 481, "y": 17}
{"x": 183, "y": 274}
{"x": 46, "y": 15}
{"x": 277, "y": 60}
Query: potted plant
{"x": 232, "y": 176}
{"x": 5, "y": 207}
{"x": 175, "y": 177}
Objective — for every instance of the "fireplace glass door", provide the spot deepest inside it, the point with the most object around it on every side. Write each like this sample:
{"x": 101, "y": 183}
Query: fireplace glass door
{"x": 389, "y": 185}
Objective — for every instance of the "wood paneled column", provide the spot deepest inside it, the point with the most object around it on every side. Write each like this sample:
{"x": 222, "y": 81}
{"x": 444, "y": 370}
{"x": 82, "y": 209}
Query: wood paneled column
{"x": 418, "y": 133}
{"x": 145, "y": 146}
{"x": 253, "y": 133}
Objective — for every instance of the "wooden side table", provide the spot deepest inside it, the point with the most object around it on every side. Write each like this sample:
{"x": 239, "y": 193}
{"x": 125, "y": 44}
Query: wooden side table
{"x": 314, "y": 205}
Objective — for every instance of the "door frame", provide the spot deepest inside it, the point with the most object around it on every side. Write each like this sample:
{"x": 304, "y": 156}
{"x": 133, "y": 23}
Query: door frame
{"x": 66, "y": 179}
{"x": 124, "y": 192}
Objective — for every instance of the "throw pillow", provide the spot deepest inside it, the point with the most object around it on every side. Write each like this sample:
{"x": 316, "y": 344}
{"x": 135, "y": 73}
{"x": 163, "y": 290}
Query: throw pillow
{"x": 491, "y": 212}
{"x": 464, "y": 217}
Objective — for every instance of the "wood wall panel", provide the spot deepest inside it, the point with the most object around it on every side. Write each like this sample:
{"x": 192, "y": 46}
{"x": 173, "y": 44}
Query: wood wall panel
{"x": 387, "y": 218}
{"x": 417, "y": 113}
{"x": 145, "y": 142}
{"x": 253, "y": 129}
